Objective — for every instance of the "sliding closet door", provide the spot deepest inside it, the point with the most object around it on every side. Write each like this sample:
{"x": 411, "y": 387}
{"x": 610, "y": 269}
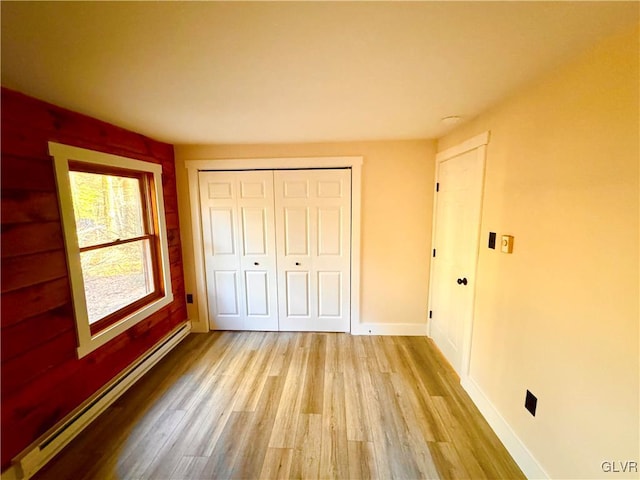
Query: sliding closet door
{"x": 313, "y": 225}
{"x": 239, "y": 249}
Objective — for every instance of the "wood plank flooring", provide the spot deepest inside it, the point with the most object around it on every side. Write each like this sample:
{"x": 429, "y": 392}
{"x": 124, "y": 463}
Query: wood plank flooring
{"x": 290, "y": 405}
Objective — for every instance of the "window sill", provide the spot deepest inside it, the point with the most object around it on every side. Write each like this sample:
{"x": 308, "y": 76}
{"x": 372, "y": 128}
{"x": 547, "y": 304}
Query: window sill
{"x": 109, "y": 333}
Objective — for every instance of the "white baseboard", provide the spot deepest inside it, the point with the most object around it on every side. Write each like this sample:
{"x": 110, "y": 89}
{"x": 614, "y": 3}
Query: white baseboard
{"x": 522, "y": 456}
{"x": 400, "y": 329}
{"x": 34, "y": 457}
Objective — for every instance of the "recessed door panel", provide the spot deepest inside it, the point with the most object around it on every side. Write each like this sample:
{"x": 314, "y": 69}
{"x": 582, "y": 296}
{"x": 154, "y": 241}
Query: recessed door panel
{"x": 257, "y": 288}
{"x": 329, "y": 294}
{"x": 296, "y": 188}
{"x": 329, "y": 231}
{"x": 220, "y": 190}
{"x": 254, "y": 231}
{"x": 253, "y": 189}
{"x": 222, "y": 231}
{"x": 330, "y": 189}
{"x": 296, "y": 231}
{"x": 227, "y": 294}
{"x": 297, "y": 288}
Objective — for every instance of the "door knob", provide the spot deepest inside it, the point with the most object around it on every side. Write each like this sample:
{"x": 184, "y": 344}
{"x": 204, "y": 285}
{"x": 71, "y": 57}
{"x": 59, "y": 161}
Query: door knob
{"x": 256, "y": 263}
{"x": 462, "y": 281}
{"x": 298, "y": 263}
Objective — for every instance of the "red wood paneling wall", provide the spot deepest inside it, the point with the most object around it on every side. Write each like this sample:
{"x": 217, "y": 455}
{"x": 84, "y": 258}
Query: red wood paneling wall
{"x": 42, "y": 379}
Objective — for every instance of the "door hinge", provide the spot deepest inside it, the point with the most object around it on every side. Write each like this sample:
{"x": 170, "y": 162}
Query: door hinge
{"x": 437, "y": 186}
{"x": 430, "y": 314}
{"x": 434, "y": 252}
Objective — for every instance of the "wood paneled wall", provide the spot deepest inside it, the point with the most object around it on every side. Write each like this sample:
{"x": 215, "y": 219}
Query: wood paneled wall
{"x": 42, "y": 378}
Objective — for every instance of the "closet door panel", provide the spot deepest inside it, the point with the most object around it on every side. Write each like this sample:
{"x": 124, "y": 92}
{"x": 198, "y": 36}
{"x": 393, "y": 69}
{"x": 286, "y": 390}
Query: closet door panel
{"x": 313, "y": 215}
{"x": 258, "y": 249}
{"x": 239, "y": 241}
{"x": 277, "y": 249}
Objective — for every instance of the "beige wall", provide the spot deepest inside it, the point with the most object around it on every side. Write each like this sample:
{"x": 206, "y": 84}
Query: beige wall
{"x": 397, "y": 196}
{"x": 560, "y": 315}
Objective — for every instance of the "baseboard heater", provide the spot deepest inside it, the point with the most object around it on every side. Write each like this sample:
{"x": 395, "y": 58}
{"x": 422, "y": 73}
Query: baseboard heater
{"x": 34, "y": 457}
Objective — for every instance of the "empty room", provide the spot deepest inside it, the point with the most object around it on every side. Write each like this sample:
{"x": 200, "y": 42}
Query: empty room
{"x": 392, "y": 240}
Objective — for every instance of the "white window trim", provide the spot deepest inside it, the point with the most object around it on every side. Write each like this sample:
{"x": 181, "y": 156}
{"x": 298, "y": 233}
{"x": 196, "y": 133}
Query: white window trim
{"x": 62, "y": 154}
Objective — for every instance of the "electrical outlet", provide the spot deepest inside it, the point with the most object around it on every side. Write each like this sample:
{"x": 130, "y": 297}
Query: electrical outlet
{"x": 189, "y": 298}
{"x": 530, "y": 403}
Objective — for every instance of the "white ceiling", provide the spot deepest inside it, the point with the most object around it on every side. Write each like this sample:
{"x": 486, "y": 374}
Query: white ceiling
{"x": 264, "y": 72}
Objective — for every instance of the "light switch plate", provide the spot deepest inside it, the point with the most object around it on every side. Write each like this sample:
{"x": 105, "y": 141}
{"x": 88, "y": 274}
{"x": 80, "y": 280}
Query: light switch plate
{"x": 507, "y": 244}
{"x": 492, "y": 240}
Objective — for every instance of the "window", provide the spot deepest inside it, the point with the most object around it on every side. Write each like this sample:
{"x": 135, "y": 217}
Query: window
{"x": 115, "y": 236}
{"x": 118, "y": 248}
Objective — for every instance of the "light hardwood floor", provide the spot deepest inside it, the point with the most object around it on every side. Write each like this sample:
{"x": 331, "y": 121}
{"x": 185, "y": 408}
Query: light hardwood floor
{"x": 290, "y": 405}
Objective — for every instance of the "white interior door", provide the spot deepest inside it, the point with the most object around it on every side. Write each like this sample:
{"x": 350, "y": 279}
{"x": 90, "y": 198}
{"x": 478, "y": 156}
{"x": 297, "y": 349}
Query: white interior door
{"x": 239, "y": 249}
{"x": 457, "y": 226}
{"x": 313, "y": 224}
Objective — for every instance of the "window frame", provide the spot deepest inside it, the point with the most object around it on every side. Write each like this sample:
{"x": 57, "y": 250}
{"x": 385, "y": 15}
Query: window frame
{"x": 68, "y": 158}
{"x": 146, "y": 186}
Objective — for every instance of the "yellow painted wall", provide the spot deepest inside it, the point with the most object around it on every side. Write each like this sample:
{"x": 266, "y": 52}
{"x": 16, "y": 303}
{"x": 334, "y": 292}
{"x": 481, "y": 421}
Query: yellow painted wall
{"x": 560, "y": 315}
{"x": 397, "y": 202}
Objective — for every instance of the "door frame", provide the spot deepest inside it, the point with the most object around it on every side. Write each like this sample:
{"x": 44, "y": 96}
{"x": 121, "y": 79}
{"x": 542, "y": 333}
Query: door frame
{"x": 478, "y": 143}
{"x": 195, "y": 166}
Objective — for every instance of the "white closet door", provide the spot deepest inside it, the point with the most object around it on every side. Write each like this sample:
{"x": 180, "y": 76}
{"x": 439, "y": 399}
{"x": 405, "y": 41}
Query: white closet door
{"x": 313, "y": 225}
{"x": 239, "y": 249}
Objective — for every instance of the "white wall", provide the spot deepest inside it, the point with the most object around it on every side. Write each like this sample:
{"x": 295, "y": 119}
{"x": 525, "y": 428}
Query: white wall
{"x": 560, "y": 315}
{"x": 396, "y": 222}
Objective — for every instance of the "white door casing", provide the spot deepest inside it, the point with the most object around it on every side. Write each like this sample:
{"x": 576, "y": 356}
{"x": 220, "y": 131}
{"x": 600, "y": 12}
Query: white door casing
{"x": 456, "y": 229}
{"x": 239, "y": 249}
{"x": 313, "y": 225}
